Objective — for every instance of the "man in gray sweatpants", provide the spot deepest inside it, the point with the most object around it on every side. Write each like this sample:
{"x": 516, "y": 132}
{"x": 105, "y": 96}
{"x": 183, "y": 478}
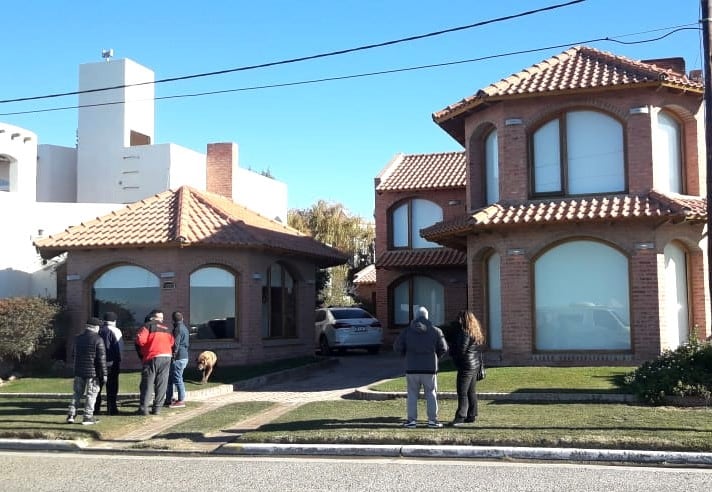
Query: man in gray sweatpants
{"x": 422, "y": 345}
{"x": 89, "y": 371}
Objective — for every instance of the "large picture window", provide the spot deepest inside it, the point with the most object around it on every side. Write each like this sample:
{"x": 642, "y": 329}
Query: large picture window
{"x": 586, "y": 311}
{"x": 129, "y": 291}
{"x": 579, "y": 152}
{"x": 279, "y": 305}
{"x": 408, "y": 218}
{"x": 417, "y": 291}
{"x": 667, "y": 155}
{"x": 212, "y": 303}
{"x": 677, "y": 315}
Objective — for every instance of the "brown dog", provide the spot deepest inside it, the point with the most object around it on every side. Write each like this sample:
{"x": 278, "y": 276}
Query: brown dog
{"x": 206, "y": 363}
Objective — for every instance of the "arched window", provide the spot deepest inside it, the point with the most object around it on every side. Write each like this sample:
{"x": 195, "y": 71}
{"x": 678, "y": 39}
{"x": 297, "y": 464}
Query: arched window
{"x": 667, "y": 155}
{"x": 129, "y": 291}
{"x": 279, "y": 303}
{"x": 408, "y": 218}
{"x": 491, "y": 167}
{"x": 417, "y": 291}
{"x": 212, "y": 303}
{"x": 494, "y": 303}
{"x": 586, "y": 311}
{"x": 677, "y": 316}
{"x": 577, "y": 153}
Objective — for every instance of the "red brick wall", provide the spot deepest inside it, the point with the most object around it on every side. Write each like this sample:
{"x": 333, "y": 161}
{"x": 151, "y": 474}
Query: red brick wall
{"x": 453, "y": 280}
{"x": 646, "y": 266}
{"x": 220, "y": 159}
{"x": 249, "y": 346}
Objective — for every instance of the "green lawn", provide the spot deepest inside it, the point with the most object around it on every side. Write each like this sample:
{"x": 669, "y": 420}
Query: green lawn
{"x": 612, "y": 426}
{"x": 34, "y": 418}
{"x": 129, "y": 380}
{"x": 532, "y": 379}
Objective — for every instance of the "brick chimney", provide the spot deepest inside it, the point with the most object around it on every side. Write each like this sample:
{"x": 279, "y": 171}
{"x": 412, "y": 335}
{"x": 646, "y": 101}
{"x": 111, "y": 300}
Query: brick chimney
{"x": 220, "y": 165}
{"x": 676, "y": 64}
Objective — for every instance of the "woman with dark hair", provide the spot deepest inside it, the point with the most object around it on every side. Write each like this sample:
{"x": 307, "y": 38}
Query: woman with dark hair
{"x": 466, "y": 352}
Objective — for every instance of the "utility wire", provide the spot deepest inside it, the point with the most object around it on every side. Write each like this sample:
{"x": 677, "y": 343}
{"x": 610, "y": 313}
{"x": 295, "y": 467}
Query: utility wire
{"x": 368, "y": 74}
{"x": 304, "y": 58}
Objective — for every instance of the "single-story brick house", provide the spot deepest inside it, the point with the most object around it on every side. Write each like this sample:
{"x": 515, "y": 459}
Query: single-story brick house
{"x": 245, "y": 283}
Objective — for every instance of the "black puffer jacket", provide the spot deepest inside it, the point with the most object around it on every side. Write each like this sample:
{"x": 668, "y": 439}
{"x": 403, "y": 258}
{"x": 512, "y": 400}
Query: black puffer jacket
{"x": 465, "y": 353}
{"x": 89, "y": 355}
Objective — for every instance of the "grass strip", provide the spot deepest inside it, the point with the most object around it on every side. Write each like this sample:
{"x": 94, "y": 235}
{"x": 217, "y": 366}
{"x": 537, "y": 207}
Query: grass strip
{"x": 220, "y": 419}
{"x": 129, "y": 380}
{"x": 532, "y": 379}
{"x": 34, "y": 418}
{"x": 604, "y": 426}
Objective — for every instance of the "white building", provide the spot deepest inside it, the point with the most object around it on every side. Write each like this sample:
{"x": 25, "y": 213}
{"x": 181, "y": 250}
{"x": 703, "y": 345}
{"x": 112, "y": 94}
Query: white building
{"x": 46, "y": 188}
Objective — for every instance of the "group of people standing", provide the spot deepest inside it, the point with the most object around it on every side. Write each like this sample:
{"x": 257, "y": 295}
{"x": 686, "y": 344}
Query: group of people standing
{"x": 163, "y": 352}
{"x": 423, "y": 344}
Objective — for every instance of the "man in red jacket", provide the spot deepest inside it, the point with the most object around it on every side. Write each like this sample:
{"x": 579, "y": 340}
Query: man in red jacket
{"x": 154, "y": 344}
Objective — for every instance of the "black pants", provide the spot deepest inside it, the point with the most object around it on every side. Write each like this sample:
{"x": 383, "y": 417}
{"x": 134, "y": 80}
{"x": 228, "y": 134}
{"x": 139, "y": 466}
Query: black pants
{"x": 466, "y": 394}
{"x": 112, "y": 390}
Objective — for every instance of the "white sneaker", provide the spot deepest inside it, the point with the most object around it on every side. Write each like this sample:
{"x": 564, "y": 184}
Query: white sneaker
{"x": 434, "y": 424}
{"x": 411, "y": 424}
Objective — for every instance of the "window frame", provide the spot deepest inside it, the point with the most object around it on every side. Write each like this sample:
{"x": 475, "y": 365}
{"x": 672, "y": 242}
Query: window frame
{"x": 534, "y": 300}
{"x": 284, "y": 314}
{"x": 561, "y": 118}
{"x": 408, "y": 202}
{"x": 236, "y": 278}
{"x": 409, "y": 280}
{"x": 485, "y": 169}
{"x": 682, "y": 175}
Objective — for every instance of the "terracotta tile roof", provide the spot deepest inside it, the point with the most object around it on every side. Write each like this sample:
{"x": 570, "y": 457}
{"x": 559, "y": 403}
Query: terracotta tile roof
{"x": 187, "y": 218}
{"x": 654, "y": 205}
{"x": 577, "y": 69}
{"x": 414, "y": 258}
{"x": 366, "y": 275}
{"x": 424, "y": 171}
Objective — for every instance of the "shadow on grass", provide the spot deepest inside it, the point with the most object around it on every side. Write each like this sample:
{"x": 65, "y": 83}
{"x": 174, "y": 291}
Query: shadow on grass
{"x": 384, "y": 423}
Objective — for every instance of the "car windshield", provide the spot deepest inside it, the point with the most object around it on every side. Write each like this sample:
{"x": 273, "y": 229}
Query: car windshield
{"x": 353, "y": 313}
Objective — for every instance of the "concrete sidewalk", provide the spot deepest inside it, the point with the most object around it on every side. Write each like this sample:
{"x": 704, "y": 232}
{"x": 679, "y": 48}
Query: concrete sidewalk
{"x": 316, "y": 383}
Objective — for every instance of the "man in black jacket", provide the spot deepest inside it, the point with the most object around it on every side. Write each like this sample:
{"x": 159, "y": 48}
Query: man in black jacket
{"x": 89, "y": 370}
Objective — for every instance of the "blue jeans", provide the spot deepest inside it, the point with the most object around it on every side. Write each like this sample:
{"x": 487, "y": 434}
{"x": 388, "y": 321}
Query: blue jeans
{"x": 176, "y": 378}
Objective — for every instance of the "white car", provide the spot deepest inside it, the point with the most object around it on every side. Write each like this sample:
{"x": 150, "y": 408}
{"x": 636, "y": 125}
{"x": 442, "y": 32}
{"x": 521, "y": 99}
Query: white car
{"x": 344, "y": 328}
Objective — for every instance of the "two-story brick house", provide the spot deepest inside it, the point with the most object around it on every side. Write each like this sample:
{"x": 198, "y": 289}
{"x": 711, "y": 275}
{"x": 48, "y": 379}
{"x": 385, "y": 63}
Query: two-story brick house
{"x": 412, "y": 192}
{"x": 585, "y": 224}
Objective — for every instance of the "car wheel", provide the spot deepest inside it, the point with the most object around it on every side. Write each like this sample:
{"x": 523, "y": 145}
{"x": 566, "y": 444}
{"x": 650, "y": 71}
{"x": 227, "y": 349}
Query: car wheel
{"x": 324, "y": 346}
{"x": 374, "y": 350}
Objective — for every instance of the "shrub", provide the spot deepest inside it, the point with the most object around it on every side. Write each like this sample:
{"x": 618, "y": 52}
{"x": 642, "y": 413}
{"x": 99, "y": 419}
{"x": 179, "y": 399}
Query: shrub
{"x": 26, "y": 326}
{"x": 684, "y": 372}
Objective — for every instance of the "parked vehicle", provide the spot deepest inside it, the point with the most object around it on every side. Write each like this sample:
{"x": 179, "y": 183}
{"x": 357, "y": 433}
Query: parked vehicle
{"x": 344, "y": 328}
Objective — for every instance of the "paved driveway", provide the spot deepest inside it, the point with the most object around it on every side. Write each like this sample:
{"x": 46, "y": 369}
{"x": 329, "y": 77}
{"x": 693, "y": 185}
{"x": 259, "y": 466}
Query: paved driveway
{"x": 353, "y": 370}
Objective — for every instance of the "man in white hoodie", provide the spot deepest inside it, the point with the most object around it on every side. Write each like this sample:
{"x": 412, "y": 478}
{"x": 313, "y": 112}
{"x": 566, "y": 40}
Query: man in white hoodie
{"x": 114, "y": 343}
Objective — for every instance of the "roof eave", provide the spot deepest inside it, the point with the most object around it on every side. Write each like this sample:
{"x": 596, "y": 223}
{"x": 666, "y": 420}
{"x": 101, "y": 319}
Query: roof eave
{"x": 452, "y": 120}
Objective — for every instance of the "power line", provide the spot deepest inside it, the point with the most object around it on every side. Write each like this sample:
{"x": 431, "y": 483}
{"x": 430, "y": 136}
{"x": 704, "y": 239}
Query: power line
{"x": 305, "y": 58}
{"x": 371, "y": 74}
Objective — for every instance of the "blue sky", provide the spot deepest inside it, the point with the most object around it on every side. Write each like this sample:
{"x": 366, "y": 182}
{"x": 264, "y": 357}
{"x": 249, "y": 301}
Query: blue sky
{"x": 325, "y": 140}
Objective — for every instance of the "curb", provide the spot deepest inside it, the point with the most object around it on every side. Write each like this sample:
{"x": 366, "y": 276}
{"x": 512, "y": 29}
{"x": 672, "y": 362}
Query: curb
{"x": 470, "y": 452}
{"x": 42, "y": 445}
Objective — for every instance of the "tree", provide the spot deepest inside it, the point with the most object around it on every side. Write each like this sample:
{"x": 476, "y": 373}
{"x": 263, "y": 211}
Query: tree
{"x": 332, "y": 224}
